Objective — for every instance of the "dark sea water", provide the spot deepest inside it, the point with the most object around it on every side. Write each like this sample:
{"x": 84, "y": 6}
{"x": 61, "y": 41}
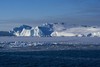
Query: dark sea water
{"x": 66, "y": 58}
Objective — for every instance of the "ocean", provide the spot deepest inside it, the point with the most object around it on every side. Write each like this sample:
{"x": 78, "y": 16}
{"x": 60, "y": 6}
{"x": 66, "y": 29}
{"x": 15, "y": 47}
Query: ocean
{"x": 55, "y": 58}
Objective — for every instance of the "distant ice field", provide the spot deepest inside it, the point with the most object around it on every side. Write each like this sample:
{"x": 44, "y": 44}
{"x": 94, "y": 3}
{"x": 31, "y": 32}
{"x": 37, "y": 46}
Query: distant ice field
{"x": 48, "y": 43}
{"x": 73, "y": 40}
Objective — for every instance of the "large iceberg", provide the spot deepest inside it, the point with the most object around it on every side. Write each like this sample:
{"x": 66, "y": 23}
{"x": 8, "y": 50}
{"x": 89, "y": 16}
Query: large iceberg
{"x": 24, "y": 30}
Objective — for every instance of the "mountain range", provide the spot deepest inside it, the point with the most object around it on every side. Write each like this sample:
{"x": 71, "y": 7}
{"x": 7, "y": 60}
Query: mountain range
{"x": 54, "y": 29}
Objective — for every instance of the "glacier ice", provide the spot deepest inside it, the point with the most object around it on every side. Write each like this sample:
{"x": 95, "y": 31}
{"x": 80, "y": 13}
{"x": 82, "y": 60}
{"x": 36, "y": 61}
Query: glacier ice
{"x": 56, "y": 29}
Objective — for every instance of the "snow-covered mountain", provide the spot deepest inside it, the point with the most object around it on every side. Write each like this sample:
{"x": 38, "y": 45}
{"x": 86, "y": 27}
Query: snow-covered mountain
{"x": 56, "y": 29}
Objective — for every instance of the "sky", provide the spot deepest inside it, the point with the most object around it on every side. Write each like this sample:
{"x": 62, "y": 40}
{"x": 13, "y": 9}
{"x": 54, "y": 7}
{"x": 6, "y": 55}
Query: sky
{"x": 36, "y": 12}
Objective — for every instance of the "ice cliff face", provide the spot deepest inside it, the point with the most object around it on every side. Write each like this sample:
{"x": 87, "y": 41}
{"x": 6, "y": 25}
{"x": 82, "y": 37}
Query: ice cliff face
{"x": 23, "y": 30}
{"x": 43, "y": 30}
{"x": 56, "y": 29}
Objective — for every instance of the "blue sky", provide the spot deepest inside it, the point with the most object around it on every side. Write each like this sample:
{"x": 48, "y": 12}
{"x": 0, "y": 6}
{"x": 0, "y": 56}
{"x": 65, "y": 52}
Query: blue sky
{"x": 34, "y": 12}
